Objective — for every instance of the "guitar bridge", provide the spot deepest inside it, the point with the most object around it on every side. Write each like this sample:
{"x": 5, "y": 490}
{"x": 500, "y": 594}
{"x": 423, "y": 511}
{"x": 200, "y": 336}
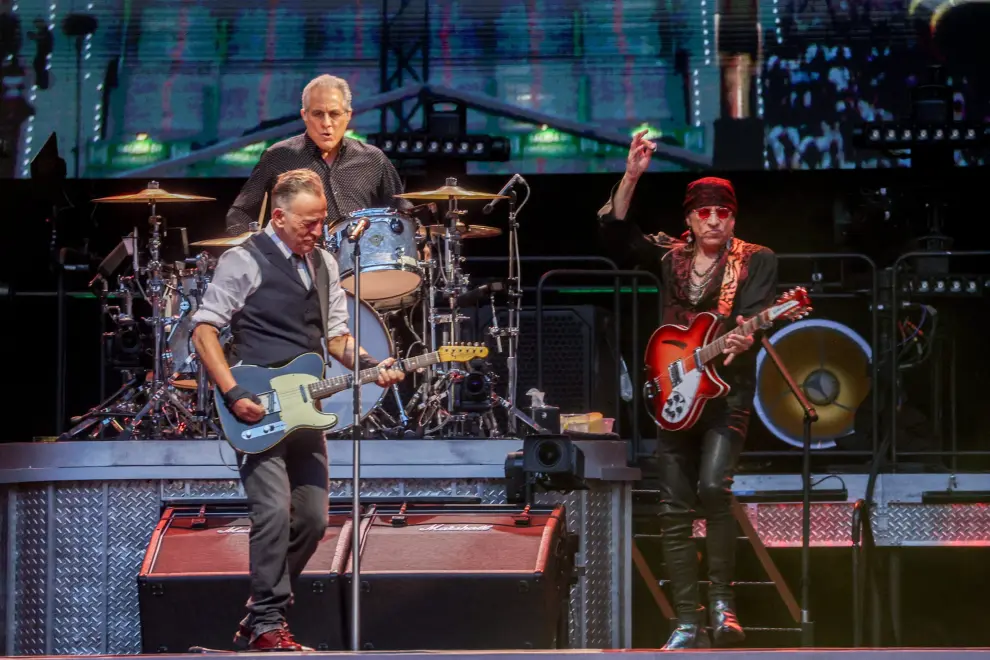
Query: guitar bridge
{"x": 269, "y": 401}
{"x": 674, "y": 369}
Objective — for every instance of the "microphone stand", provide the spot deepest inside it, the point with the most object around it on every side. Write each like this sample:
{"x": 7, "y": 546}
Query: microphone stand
{"x": 810, "y": 416}
{"x": 515, "y": 310}
{"x": 355, "y": 239}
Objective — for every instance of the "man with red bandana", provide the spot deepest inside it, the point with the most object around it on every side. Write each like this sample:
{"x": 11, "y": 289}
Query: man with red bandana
{"x": 698, "y": 463}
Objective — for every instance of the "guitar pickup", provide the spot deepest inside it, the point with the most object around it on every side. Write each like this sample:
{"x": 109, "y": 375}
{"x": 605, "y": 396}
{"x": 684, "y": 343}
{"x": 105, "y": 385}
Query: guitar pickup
{"x": 674, "y": 369}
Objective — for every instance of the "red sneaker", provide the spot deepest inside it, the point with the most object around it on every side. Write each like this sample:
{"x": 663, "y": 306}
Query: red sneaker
{"x": 279, "y": 639}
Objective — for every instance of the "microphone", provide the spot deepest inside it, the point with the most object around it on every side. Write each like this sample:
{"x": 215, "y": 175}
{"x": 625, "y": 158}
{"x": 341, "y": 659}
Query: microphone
{"x": 358, "y": 228}
{"x": 474, "y": 295}
{"x": 516, "y": 178}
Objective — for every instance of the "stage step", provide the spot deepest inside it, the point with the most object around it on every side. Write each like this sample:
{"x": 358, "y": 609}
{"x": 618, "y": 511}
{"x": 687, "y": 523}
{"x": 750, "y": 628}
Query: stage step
{"x": 776, "y": 626}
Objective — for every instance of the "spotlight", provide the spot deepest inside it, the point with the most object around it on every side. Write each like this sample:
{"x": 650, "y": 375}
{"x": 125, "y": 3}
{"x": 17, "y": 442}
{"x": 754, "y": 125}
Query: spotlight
{"x": 552, "y": 462}
{"x": 555, "y": 462}
{"x": 473, "y": 391}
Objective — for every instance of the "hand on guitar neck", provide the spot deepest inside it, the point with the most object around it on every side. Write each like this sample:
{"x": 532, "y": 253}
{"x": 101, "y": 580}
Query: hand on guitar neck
{"x": 737, "y": 342}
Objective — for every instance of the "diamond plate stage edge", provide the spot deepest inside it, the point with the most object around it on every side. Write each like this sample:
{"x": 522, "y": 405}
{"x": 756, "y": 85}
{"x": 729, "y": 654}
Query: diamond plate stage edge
{"x": 78, "y": 548}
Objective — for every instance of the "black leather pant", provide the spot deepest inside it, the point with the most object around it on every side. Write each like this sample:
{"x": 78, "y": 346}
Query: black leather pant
{"x": 697, "y": 465}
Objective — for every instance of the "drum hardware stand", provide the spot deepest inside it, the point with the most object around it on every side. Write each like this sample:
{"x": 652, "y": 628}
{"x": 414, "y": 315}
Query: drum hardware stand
{"x": 162, "y": 390}
{"x": 107, "y": 411}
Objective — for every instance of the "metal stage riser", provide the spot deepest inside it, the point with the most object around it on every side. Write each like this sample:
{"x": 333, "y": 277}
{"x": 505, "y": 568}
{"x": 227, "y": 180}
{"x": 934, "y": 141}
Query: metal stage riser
{"x": 73, "y": 551}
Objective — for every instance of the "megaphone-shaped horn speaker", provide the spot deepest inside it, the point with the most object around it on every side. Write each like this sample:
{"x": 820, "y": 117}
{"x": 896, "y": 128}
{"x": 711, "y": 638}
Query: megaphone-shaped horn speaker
{"x": 831, "y": 364}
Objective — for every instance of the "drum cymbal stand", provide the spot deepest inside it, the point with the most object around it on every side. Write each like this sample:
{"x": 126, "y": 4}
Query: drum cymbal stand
{"x": 162, "y": 391}
{"x": 203, "y": 399}
{"x": 423, "y": 405}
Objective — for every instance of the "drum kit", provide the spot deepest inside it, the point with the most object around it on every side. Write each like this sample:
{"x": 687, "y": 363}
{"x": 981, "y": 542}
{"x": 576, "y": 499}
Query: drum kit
{"x": 413, "y": 289}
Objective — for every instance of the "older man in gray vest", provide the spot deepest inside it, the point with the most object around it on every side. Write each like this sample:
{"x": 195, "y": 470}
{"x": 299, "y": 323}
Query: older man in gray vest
{"x": 281, "y": 296}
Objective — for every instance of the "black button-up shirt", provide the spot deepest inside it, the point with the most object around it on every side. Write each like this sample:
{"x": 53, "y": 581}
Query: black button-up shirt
{"x": 360, "y": 177}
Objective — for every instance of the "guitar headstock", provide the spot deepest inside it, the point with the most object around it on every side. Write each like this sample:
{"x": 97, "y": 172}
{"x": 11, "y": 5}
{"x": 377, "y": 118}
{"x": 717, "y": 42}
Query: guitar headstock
{"x": 791, "y": 306}
{"x": 462, "y": 352}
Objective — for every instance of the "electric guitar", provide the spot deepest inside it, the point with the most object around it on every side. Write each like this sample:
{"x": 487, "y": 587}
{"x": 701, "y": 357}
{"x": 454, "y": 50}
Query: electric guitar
{"x": 290, "y": 395}
{"x": 680, "y": 376}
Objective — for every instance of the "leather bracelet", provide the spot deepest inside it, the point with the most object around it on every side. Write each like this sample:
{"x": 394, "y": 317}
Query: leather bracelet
{"x": 366, "y": 362}
{"x": 236, "y": 393}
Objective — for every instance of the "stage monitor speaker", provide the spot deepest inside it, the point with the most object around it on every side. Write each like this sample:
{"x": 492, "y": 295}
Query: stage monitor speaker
{"x": 194, "y": 583}
{"x": 459, "y": 578}
{"x": 831, "y": 363}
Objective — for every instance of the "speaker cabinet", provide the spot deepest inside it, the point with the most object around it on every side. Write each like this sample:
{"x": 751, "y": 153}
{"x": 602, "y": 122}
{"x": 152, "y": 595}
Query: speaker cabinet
{"x": 484, "y": 577}
{"x": 194, "y": 583}
{"x": 578, "y": 360}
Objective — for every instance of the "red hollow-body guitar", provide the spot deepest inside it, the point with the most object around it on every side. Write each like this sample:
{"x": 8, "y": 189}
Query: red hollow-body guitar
{"x": 681, "y": 378}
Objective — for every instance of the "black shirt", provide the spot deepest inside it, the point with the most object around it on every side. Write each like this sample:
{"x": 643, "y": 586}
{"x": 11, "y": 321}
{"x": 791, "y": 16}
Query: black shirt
{"x": 756, "y": 291}
{"x": 360, "y": 177}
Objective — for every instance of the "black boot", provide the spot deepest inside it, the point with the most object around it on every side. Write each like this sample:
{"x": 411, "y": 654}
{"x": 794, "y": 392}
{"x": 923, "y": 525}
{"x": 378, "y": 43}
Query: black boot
{"x": 725, "y": 625}
{"x": 690, "y": 633}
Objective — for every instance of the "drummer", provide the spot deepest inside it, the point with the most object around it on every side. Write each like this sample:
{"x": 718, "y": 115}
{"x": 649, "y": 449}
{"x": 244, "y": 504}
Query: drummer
{"x": 355, "y": 175}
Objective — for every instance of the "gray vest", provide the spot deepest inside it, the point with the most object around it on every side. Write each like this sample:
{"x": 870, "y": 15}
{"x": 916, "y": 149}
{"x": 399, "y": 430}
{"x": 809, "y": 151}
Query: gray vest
{"x": 282, "y": 319}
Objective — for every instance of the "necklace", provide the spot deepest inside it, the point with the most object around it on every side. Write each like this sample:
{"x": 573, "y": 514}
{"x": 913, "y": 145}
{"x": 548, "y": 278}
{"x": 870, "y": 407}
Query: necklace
{"x": 696, "y": 291}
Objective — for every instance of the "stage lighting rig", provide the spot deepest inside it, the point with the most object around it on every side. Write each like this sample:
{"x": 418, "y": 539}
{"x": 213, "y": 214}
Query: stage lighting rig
{"x": 930, "y": 130}
{"x": 459, "y": 147}
{"x": 947, "y": 285}
{"x": 910, "y": 134}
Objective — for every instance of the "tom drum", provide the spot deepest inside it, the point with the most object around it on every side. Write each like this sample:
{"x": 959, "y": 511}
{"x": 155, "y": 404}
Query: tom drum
{"x": 389, "y": 258}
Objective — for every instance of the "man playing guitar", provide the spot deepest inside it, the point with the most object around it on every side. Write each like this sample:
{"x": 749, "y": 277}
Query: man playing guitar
{"x": 707, "y": 270}
{"x": 281, "y": 296}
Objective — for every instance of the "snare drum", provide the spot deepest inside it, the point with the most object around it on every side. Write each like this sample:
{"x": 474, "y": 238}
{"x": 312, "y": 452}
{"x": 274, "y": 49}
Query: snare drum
{"x": 389, "y": 258}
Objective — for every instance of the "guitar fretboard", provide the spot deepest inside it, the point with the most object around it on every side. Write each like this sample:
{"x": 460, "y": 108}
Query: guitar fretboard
{"x": 714, "y": 349}
{"x": 327, "y": 387}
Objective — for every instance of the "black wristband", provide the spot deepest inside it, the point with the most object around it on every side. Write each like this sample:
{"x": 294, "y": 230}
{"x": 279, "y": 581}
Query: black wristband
{"x": 236, "y": 393}
{"x": 366, "y": 362}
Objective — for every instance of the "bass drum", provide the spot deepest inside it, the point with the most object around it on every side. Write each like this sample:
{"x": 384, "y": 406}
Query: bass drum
{"x": 377, "y": 341}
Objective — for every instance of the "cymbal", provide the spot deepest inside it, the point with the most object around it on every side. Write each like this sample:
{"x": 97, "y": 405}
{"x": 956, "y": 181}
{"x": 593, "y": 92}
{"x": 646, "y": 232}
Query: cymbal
{"x": 156, "y": 195}
{"x": 466, "y": 231}
{"x": 224, "y": 241}
{"x": 450, "y": 192}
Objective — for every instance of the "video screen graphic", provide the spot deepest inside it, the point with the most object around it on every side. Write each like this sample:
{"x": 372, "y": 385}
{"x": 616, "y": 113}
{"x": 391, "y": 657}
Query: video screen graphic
{"x": 161, "y": 79}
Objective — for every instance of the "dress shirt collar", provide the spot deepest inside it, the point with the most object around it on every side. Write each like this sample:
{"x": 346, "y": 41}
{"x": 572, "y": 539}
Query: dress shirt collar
{"x": 282, "y": 247}
{"x": 317, "y": 152}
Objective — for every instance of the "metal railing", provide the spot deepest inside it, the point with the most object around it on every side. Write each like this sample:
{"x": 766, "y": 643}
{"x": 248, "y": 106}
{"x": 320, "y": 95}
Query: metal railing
{"x": 954, "y": 452}
{"x": 616, "y": 276}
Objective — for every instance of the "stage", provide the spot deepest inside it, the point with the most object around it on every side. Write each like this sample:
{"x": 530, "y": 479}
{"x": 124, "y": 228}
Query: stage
{"x": 639, "y": 654}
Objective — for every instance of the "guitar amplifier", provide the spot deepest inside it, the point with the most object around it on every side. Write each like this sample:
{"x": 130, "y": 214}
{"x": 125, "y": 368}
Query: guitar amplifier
{"x": 459, "y": 578}
{"x": 194, "y": 583}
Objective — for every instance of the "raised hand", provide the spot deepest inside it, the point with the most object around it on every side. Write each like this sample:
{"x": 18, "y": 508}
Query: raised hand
{"x": 640, "y": 154}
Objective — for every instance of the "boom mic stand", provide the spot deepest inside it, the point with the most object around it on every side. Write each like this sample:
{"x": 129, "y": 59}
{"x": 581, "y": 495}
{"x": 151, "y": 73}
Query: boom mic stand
{"x": 810, "y": 416}
{"x": 515, "y": 295}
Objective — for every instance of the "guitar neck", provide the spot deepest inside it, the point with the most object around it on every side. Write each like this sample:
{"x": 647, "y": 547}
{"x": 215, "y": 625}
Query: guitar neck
{"x": 330, "y": 386}
{"x": 714, "y": 349}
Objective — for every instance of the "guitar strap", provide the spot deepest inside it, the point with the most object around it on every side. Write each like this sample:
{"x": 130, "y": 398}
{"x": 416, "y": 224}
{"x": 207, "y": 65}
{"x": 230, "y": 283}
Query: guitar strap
{"x": 730, "y": 280}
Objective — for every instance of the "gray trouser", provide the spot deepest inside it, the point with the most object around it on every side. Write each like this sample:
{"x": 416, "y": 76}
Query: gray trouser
{"x": 287, "y": 490}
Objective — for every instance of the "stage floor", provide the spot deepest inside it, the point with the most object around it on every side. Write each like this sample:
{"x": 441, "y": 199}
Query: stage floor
{"x": 595, "y": 654}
